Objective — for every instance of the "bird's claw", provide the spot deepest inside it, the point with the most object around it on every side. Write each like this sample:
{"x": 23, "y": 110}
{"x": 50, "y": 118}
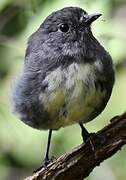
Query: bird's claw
{"x": 45, "y": 163}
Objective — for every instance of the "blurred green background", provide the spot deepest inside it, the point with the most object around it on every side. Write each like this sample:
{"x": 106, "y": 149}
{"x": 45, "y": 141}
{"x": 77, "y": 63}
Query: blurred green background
{"x": 21, "y": 147}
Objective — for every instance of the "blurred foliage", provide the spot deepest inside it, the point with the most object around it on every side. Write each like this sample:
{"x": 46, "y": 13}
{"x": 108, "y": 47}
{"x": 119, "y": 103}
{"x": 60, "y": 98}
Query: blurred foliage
{"x": 21, "y": 147}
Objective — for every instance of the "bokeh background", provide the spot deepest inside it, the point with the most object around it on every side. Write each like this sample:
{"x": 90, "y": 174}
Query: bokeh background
{"x": 21, "y": 147}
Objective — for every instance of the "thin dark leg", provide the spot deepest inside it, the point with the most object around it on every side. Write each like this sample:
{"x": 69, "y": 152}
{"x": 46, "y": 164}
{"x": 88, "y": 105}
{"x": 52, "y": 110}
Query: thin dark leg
{"x": 46, "y": 160}
{"x": 86, "y": 136}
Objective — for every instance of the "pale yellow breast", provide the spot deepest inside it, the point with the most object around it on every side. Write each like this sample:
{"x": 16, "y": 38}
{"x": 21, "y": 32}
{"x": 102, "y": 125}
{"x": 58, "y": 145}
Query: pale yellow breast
{"x": 71, "y": 90}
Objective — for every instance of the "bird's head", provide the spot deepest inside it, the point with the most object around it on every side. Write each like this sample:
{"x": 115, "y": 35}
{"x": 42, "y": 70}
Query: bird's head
{"x": 66, "y": 32}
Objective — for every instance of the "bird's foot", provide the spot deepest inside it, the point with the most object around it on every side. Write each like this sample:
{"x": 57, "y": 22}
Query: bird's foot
{"x": 88, "y": 139}
{"x": 99, "y": 140}
{"x": 44, "y": 165}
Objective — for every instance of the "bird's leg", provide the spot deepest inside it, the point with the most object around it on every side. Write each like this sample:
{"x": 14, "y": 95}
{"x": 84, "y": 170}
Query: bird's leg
{"x": 86, "y": 136}
{"x": 46, "y": 159}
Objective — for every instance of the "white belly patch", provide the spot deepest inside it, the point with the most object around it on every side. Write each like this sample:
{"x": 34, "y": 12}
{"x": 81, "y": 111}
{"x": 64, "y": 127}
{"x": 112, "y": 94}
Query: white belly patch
{"x": 71, "y": 94}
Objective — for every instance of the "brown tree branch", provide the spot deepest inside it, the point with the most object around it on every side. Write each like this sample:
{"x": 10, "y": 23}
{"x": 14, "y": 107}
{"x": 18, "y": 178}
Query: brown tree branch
{"x": 79, "y": 163}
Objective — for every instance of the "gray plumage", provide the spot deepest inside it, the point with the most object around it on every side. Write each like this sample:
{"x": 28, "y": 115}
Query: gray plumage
{"x": 67, "y": 77}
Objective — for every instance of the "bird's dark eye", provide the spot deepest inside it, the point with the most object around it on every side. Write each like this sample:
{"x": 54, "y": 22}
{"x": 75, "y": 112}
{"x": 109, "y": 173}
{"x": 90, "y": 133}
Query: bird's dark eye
{"x": 64, "y": 27}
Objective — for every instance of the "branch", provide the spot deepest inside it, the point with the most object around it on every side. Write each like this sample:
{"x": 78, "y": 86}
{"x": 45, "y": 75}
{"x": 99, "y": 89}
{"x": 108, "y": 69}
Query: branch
{"x": 79, "y": 163}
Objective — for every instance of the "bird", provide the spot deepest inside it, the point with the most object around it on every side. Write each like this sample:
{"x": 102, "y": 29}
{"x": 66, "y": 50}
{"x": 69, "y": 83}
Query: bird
{"x": 67, "y": 76}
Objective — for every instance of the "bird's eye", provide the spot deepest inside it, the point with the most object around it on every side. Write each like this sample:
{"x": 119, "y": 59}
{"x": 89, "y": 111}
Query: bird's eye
{"x": 64, "y": 27}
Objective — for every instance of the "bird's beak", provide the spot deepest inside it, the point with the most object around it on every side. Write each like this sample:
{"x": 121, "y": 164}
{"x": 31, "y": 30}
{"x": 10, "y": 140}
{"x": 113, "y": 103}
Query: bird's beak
{"x": 91, "y": 18}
